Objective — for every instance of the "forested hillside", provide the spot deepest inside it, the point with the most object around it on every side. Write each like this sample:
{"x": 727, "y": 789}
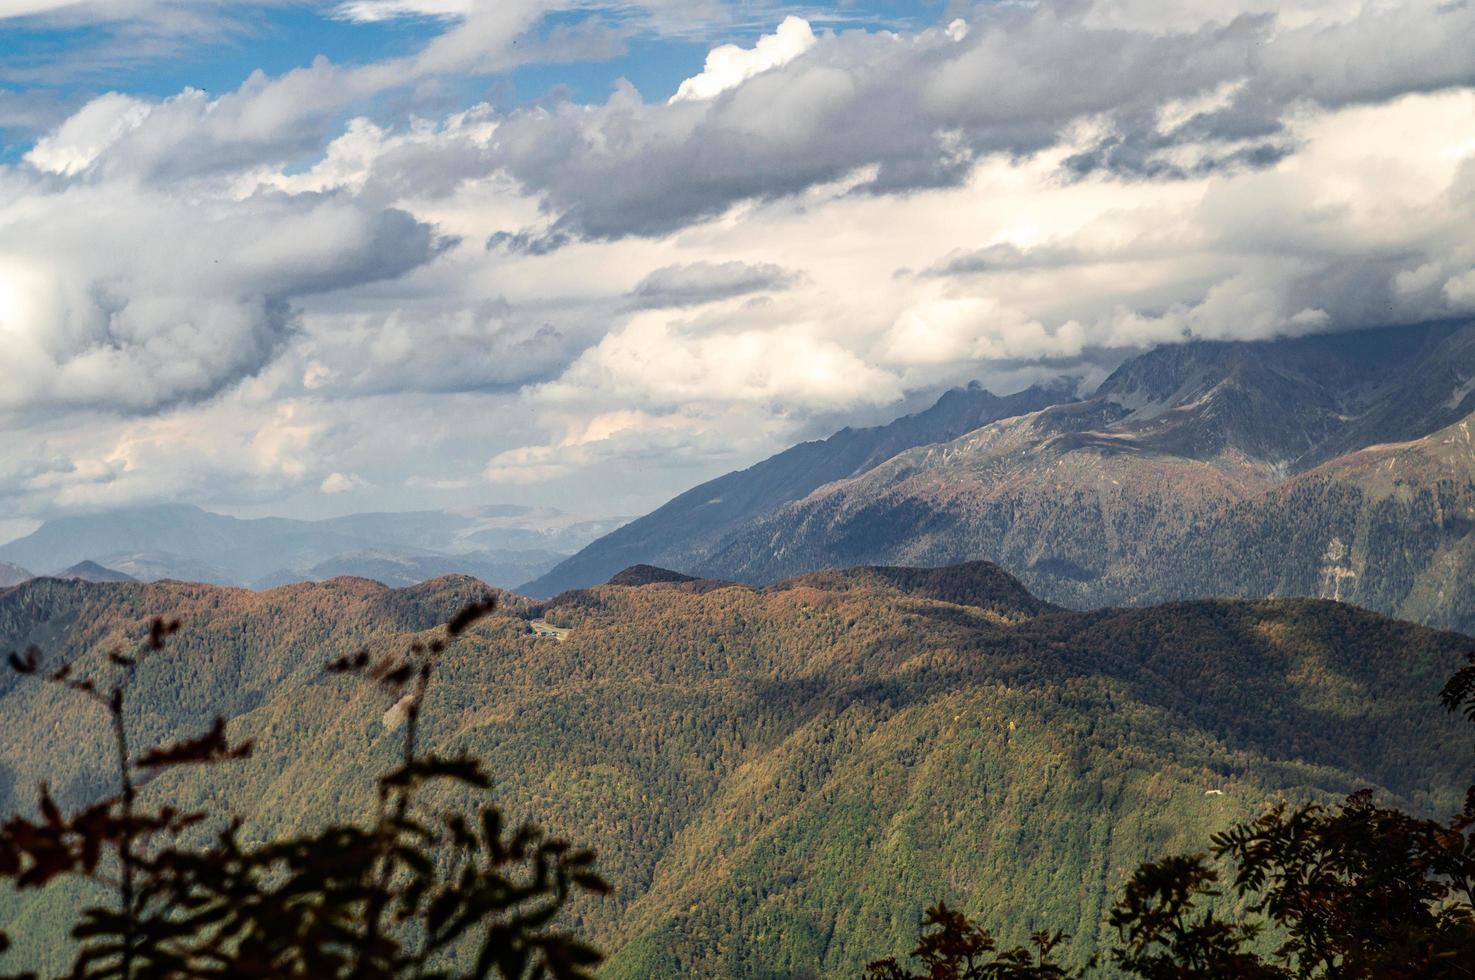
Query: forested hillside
{"x": 778, "y": 780}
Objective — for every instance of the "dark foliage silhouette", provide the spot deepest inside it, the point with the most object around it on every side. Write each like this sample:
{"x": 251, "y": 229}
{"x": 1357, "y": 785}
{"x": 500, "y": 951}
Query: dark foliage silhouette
{"x": 419, "y": 890}
{"x": 954, "y": 947}
{"x": 1354, "y": 891}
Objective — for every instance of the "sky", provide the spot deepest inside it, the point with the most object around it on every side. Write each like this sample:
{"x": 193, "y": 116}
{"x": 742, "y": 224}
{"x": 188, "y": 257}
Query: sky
{"x": 311, "y": 258}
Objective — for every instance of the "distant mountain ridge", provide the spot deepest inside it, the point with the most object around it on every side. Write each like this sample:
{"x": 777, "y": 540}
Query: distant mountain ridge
{"x": 12, "y": 575}
{"x": 91, "y": 571}
{"x": 398, "y": 568}
{"x": 502, "y": 544}
{"x": 683, "y": 532}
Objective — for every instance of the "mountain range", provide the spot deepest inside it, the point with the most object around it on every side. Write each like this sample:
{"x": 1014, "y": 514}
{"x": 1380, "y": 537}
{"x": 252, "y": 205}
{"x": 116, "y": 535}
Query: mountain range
{"x": 1337, "y": 466}
{"x": 502, "y": 545}
{"x": 777, "y": 779}
{"x": 685, "y": 532}
{"x": 975, "y": 654}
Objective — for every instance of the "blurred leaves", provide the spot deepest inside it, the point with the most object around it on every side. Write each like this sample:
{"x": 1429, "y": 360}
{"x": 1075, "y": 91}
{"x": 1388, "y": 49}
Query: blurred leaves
{"x": 210, "y": 747}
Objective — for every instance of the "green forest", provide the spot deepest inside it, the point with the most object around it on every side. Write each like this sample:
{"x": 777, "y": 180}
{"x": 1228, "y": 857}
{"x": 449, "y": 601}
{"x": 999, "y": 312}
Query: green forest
{"x": 778, "y": 782}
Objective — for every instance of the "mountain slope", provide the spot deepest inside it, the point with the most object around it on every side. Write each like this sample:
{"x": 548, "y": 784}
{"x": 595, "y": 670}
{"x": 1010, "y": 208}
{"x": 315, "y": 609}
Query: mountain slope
{"x": 1086, "y": 522}
{"x": 1083, "y": 499}
{"x": 648, "y": 575}
{"x": 1201, "y": 469}
{"x": 1291, "y": 404}
{"x": 12, "y": 575}
{"x": 682, "y": 532}
{"x": 778, "y": 779}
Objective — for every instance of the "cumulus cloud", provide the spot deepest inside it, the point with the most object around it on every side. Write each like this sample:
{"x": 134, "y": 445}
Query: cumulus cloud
{"x": 121, "y": 296}
{"x": 231, "y": 450}
{"x": 922, "y": 109}
{"x": 342, "y": 483}
{"x": 1460, "y": 291}
{"x": 729, "y": 66}
{"x": 650, "y": 362}
{"x": 487, "y": 347}
{"x": 949, "y": 331}
{"x": 285, "y": 290}
{"x": 620, "y": 434}
{"x": 81, "y": 139}
{"x": 684, "y": 441}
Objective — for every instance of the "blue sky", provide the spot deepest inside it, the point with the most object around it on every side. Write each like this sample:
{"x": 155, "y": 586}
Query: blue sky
{"x": 63, "y": 58}
{"x": 302, "y": 258}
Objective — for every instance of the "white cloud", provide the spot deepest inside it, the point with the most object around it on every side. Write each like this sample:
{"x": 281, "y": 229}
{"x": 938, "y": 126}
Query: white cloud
{"x": 245, "y": 298}
{"x": 342, "y": 483}
{"x": 119, "y": 295}
{"x": 652, "y": 361}
{"x": 373, "y": 11}
{"x": 617, "y": 444}
{"x": 973, "y": 329}
{"x": 74, "y": 145}
{"x": 1460, "y": 291}
{"x": 28, "y": 8}
{"x": 729, "y": 66}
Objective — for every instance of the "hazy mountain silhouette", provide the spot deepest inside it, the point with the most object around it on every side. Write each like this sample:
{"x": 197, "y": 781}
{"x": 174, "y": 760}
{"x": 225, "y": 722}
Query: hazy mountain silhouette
{"x": 502, "y": 544}
{"x": 91, "y": 571}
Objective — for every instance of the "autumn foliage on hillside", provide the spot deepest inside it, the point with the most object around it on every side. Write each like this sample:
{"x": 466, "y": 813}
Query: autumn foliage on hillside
{"x": 778, "y": 781}
{"x": 414, "y": 890}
